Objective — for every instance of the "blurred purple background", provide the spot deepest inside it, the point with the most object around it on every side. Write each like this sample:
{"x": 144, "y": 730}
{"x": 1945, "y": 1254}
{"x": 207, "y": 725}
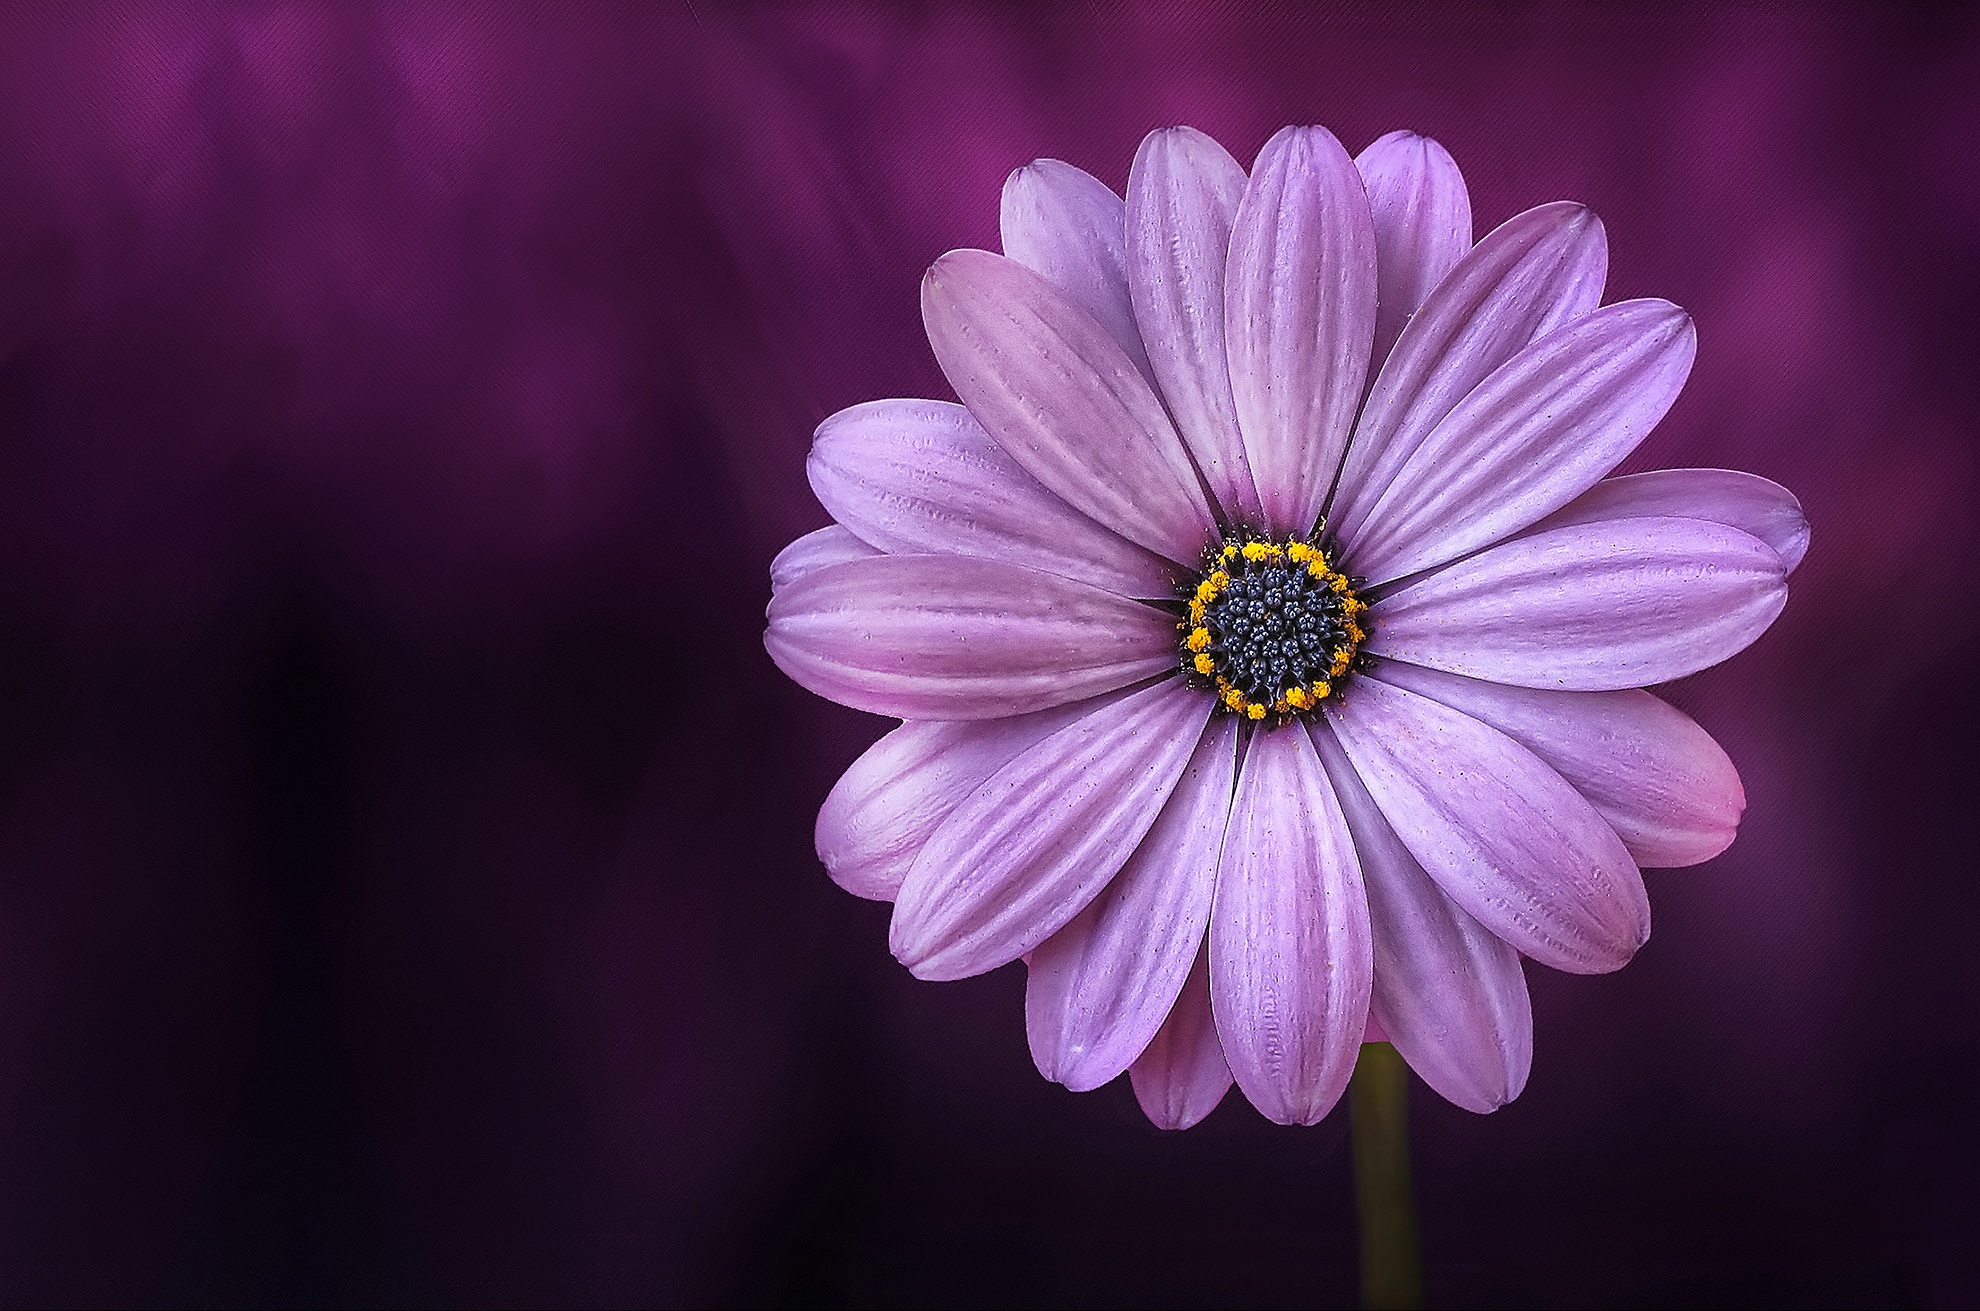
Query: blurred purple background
{"x": 406, "y": 885}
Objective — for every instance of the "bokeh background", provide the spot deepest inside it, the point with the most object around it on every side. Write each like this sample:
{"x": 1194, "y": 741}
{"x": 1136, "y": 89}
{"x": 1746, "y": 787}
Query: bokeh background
{"x": 406, "y": 887}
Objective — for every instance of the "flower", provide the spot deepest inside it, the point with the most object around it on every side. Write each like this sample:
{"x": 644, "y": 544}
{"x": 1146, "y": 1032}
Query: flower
{"x": 1268, "y": 635}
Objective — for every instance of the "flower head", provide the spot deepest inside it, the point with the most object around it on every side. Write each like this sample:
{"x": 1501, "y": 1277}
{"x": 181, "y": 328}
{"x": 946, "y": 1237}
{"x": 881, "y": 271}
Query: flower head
{"x": 1267, "y": 634}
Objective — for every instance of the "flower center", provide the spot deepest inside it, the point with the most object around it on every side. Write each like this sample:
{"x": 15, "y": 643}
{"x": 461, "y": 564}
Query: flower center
{"x": 1272, "y": 626}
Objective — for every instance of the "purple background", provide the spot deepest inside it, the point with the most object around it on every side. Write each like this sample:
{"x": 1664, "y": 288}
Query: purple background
{"x": 406, "y": 888}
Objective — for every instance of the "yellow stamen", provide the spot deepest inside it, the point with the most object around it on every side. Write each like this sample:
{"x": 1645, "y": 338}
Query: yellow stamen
{"x": 1205, "y": 665}
{"x": 1199, "y": 640}
{"x": 1255, "y": 711}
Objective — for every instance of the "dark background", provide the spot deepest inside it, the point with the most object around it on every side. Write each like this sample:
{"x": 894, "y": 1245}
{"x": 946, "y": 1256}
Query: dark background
{"x": 406, "y": 889}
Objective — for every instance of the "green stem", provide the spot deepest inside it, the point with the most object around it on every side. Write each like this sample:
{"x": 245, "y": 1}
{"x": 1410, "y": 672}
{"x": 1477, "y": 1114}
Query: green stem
{"x": 1391, "y": 1276}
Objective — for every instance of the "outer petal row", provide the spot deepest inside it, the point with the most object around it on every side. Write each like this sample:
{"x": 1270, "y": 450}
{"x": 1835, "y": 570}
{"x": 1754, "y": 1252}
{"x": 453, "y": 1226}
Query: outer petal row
{"x": 1744, "y": 501}
{"x": 1422, "y": 216}
{"x": 916, "y": 477}
{"x": 1590, "y": 607}
{"x": 1182, "y": 1074}
{"x": 955, "y": 637}
{"x": 1066, "y": 225}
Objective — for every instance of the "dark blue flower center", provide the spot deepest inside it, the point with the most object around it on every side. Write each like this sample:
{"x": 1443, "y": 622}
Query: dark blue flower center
{"x": 1272, "y": 626}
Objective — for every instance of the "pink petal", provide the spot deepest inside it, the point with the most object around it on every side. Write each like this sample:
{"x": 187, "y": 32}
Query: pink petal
{"x": 1040, "y": 839}
{"x": 1591, "y": 607}
{"x": 1100, "y": 987}
{"x": 1660, "y": 780}
{"x": 1299, "y": 319}
{"x": 885, "y": 807}
{"x": 1744, "y": 501}
{"x": 1290, "y": 962}
{"x": 1502, "y": 834}
{"x": 954, "y": 637}
{"x": 1065, "y": 224}
{"x": 1182, "y": 1076}
{"x": 922, "y": 477}
{"x": 1448, "y": 992}
{"x": 1060, "y": 396}
{"x": 1183, "y": 194}
{"x": 831, "y": 544}
{"x": 1530, "y": 275}
{"x": 1530, "y": 438}
{"x": 1422, "y": 216}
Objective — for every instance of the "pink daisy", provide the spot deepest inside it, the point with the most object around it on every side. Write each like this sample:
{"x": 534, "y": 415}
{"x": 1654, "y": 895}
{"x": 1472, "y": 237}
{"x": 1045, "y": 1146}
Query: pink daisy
{"x": 1268, "y": 638}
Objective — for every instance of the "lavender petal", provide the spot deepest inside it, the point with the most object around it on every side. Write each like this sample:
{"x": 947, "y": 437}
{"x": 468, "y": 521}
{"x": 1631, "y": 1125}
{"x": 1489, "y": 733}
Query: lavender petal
{"x": 1045, "y": 834}
{"x": 1182, "y": 1075}
{"x": 1422, "y": 214}
{"x": 1449, "y": 993}
{"x": 1299, "y": 319}
{"x": 1063, "y": 400}
{"x": 923, "y": 477}
{"x": 1183, "y": 194}
{"x": 1101, "y": 986}
{"x": 1290, "y": 956}
{"x": 1530, "y": 275}
{"x": 1591, "y": 607}
{"x": 1065, "y": 224}
{"x": 1666, "y": 788}
{"x": 955, "y": 637}
{"x": 1501, "y": 833}
{"x": 1744, "y": 501}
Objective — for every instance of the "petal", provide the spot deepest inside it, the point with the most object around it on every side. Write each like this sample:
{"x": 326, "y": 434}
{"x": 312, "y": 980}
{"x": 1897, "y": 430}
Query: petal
{"x": 1100, "y": 987}
{"x": 1664, "y": 785}
{"x": 1290, "y": 963}
{"x": 954, "y": 637}
{"x": 1299, "y": 319}
{"x": 831, "y": 544}
{"x": 1448, "y": 992}
{"x": 885, "y": 807}
{"x": 1422, "y": 216}
{"x": 1530, "y": 438}
{"x": 1530, "y": 275}
{"x": 1183, "y": 194}
{"x": 1040, "y": 839}
{"x": 1502, "y": 834}
{"x": 1182, "y": 1076}
{"x": 1061, "y": 398}
{"x": 1065, "y": 224}
{"x": 1744, "y": 501}
{"x": 922, "y": 477}
{"x": 1590, "y": 607}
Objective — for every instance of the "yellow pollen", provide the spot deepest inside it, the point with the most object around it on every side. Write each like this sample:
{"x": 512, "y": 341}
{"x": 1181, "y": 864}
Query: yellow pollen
{"x": 1199, "y": 640}
{"x": 1260, "y": 551}
{"x": 1254, "y": 710}
{"x": 1300, "y": 699}
{"x": 1219, "y": 580}
{"x": 1205, "y": 665}
{"x": 1338, "y": 582}
{"x": 1301, "y": 552}
{"x": 1322, "y": 690}
{"x": 1205, "y": 592}
{"x": 1228, "y": 554}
